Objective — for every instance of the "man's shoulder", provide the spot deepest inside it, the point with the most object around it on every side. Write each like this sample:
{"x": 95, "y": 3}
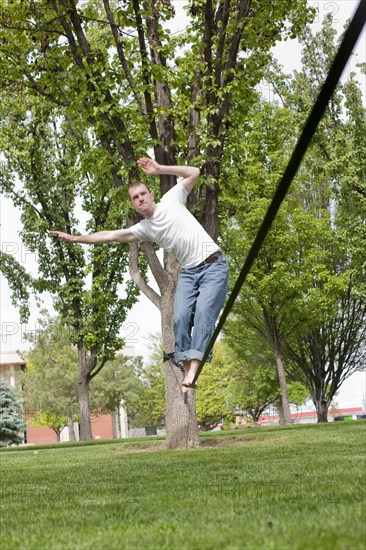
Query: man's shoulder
{"x": 176, "y": 193}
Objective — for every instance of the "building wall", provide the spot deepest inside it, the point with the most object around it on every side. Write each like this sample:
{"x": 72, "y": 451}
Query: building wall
{"x": 11, "y": 366}
{"x": 39, "y": 436}
{"x": 102, "y": 427}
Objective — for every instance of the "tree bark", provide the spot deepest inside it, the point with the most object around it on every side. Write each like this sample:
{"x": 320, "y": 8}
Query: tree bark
{"x": 281, "y": 413}
{"x": 284, "y": 404}
{"x": 181, "y": 419}
{"x": 285, "y": 413}
{"x": 321, "y": 405}
{"x": 83, "y": 391}
{"x": 70, "y": 424}
{"x": 322, "y": 411}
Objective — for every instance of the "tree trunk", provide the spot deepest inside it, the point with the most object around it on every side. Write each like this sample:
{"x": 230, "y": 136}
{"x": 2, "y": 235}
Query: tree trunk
{"x": 321, "y": 406}
{"x": 70, "y": 423}
{"x": 181, "y": 419}
{"x": 58, "y": 435}
{"x": 318, "y": 392}
{"x": 83, "y": 391}
{"x": 284, "y": 413}
{"x": 281, "y": 413}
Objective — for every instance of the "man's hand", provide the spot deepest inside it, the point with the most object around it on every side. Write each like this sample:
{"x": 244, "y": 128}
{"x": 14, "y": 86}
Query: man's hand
{"x": 190, "y": 174}
{"x": 149, "y": 166}
{"x": 65, "y": 236}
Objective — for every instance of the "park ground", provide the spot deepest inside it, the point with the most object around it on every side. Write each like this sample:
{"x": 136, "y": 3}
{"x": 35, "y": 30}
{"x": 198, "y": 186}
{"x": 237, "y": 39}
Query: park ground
{"x": 299, "y": 487}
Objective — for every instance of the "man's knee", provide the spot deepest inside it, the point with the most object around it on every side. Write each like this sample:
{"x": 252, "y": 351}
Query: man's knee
{"x": 181, "y": 321}
{"x": 183, "y": 314}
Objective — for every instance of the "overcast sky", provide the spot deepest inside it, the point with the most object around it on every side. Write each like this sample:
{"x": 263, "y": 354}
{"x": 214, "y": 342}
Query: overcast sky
{"x": 144, "y": 319}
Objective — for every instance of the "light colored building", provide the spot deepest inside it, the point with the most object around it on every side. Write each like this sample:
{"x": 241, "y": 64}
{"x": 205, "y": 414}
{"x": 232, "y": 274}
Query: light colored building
{"x": 11, "y": 365}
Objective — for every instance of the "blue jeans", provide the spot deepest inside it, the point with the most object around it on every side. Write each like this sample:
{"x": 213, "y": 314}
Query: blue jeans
{"x": 199, "y": 297}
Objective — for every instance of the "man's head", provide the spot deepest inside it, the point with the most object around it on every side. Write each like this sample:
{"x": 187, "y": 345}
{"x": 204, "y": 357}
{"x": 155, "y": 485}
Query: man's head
{"x": 142, "y": 199}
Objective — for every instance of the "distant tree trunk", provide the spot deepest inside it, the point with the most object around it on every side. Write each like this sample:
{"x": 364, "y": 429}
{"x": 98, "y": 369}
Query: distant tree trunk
{"x": 322, "y": 411}
{"x": 281, "y": 414}
{"x": 284, "y": 409}
{"x": 321, "y": 405}
{"x": 285, "y": 413}
{"x": 58, "y": 434}
{"x": 257, "y": 412}
{"x": 70, "y": 423}
{"x": 83, "y": 391}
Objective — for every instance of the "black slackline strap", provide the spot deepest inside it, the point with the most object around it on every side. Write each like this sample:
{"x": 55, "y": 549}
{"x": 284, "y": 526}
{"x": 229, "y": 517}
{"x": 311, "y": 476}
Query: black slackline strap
{"x": 345, "y": 49}
{"x": 170, "y": 357}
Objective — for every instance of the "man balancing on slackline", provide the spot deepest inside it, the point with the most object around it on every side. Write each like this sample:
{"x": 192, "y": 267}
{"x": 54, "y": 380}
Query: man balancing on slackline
{"x": 203, "y": 279}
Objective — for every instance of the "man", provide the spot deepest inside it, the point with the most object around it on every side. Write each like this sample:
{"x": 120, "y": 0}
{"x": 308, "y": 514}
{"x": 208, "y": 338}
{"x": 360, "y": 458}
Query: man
{"x": 203, "y": 279}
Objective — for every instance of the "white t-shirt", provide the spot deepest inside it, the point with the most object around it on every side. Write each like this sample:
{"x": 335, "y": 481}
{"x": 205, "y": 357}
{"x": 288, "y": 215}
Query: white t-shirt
{"x": 174, "y": 228}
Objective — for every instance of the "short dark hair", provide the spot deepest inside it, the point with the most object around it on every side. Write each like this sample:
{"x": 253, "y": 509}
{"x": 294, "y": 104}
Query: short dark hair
{"x": 135, "y": 184}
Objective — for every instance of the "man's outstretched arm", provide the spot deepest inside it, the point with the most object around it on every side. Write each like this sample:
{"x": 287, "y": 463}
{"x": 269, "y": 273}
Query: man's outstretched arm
{"x": 189, "y": 174}
{"x": 100, "y": 237}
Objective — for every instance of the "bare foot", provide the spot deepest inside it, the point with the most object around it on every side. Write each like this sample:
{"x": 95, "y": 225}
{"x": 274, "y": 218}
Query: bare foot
{"x": 186, "y": 365}
{"x": 189, "y": 377}
{"x": 188, "y": 381}
{"x": 188, "y": 386}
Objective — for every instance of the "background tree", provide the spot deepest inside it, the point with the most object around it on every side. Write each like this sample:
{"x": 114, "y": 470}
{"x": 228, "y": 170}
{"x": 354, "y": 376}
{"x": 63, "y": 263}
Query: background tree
{"x": 55, "y": 421}
{"x": 271, "y": 286}
{"x": 306, "y": 292}
{"x": 214, "y": 402}
{"x": 329, "y": 346}
{"x": 152, "y": 403}
{"x": 20, "y": 283}
{"x": 12, "y": 426}
{"x": 51, "y": 378}
{"x": 44, "y": 152}
{"x": 116, "y": 72}
{"x": 254, "y": 384}
{"x": 120, "y": 383}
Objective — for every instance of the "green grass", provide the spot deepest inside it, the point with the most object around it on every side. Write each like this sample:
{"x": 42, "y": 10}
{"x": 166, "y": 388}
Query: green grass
{"x": 262, "y": 488}
{"x": 68, "y": 444}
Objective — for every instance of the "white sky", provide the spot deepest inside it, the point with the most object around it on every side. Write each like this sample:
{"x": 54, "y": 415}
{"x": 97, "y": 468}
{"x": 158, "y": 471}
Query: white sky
{"x": 144, "y": 318}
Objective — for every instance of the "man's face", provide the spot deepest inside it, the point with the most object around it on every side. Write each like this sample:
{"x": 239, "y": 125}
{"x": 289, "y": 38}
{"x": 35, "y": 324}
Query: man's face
{"x": 142, "y": 199}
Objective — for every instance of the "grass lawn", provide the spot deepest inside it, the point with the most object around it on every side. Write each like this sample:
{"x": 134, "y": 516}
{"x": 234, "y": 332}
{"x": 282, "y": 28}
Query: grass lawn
{"x": 260, "y": 488}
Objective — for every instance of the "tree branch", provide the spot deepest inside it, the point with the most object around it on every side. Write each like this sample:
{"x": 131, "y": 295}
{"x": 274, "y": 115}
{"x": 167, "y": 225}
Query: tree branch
{"x": 69, "y": 34}
{"x": 145, "y": 69}
{"x": 138, "y": 279}
{"x": 122, "y": 58}
{"x": 157, "y": 269}
{"x": 76, "y": 22}
{"x": 222, "y": 17}
{"x": 165, "y": 148}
